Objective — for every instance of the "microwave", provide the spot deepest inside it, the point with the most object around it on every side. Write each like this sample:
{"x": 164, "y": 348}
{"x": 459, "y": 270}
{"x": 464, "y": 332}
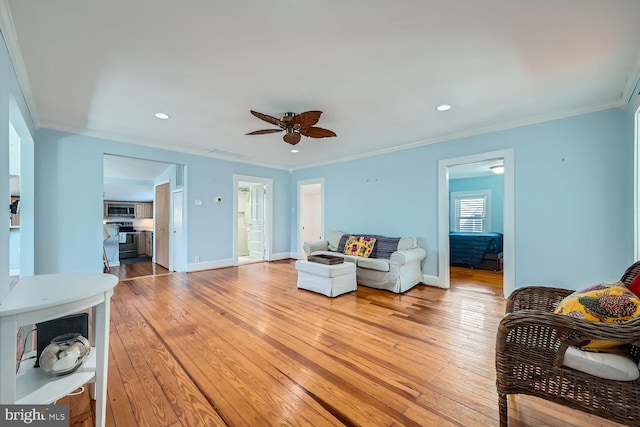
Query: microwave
{"x": 121, "y": 209}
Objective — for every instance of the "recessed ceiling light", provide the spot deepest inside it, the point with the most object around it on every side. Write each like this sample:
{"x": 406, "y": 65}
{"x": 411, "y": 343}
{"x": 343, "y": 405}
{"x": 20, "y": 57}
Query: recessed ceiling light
{"x": 162, "y": 116}
{"x": 295, "y": 151}
{"x": 443, "y": 107}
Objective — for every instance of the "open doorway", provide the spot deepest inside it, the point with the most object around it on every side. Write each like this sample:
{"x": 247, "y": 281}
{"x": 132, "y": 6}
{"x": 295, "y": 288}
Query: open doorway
{"x": 310, "y": 213}
{"x": 252, "y": 215}
{"x": 470, "y": 212}
{"x": 137, "y": 221}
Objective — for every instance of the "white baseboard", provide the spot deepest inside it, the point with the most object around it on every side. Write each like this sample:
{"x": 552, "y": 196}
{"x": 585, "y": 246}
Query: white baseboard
{"x": 283, "y": 255}
{"x": 432, "y": 281}
{"x": 14, "y": 272}
{"x": 210, "y": 265}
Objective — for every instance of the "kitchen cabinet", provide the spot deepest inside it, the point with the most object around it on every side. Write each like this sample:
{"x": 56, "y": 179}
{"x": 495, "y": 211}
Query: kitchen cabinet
{"x": 142, "y": 244}
{"x": 149, "y": 238}
{"x": 144, "y": 210}
{"x": 145, "y": 243}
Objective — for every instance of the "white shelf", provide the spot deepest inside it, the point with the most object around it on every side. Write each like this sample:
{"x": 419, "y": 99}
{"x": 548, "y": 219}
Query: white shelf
{"x": 35, "y": 386}
{"x": 43, "y": 297}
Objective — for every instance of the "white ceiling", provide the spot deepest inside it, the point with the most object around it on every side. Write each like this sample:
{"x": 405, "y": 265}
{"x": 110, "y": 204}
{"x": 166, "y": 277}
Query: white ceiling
{"x": 376, "y": 68}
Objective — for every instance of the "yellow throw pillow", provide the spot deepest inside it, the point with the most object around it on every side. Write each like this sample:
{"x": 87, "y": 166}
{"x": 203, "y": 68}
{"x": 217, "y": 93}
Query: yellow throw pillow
{"x": 603, "y": 302}
{"x": 365, "y": 246}
{"x": 351, "y": 246}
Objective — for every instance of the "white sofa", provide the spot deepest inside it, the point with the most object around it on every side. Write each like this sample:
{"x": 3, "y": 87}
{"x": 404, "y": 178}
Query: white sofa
{"x": 394, "y": 265}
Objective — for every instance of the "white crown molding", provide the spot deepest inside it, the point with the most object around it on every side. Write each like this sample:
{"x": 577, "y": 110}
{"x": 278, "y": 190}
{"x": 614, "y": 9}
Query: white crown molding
{"x": 11, "y": 39}
{"x": 151, "y": 144}
{"x": 480, "y": 131}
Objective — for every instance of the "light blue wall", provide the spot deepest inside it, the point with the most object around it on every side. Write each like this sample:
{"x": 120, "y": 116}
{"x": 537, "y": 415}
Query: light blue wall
{"x": 69, "y": 183}
{"x": 493, "y": 183}
{"x": 573, "y": 196}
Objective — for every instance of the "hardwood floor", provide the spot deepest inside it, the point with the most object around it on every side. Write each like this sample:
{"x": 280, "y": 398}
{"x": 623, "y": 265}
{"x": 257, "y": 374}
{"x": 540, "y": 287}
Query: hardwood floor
{"x": 243, "y": 346}
{"x": 139, "y": 269}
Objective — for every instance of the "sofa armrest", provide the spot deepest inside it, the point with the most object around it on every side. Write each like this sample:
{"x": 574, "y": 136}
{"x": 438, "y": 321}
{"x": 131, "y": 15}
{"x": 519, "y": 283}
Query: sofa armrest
{"x": 408, "y": 255}
{"x": 311, "y": 247}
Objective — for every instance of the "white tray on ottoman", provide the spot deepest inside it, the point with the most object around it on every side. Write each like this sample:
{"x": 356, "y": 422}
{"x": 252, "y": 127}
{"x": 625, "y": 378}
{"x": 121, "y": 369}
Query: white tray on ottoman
{"x": 327, "y": 279}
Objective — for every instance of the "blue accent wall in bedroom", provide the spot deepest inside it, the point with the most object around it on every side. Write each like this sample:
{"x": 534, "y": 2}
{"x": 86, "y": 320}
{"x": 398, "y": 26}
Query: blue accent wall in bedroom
{"x": 495, "y": 183}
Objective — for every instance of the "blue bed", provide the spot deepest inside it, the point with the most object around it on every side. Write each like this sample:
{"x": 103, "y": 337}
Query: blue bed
{"x": 478, "y": 250}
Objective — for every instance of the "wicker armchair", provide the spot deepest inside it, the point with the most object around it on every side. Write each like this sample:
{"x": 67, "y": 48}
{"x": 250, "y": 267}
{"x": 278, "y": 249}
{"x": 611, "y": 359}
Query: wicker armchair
{"x": 529, "y": 356}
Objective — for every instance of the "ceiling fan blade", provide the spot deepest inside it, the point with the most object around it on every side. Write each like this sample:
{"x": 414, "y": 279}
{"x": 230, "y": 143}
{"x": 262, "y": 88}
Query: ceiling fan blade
{"x": 306, "y": 119}
{"x": 264, "y": 131}
{"x": 316, "y": 132}
{"x": 268, "y": 119}
{"x": 292, "y": 138}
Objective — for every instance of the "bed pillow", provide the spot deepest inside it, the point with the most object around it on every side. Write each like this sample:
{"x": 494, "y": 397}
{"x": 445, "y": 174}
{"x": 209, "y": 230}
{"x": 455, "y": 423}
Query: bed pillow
{"x": 365, "y": 246}
{"x": 608, "y": 302}
{"x": 351, "y": 246}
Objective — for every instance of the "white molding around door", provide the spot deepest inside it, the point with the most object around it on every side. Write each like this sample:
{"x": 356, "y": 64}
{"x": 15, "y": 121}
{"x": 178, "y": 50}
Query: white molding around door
{"x": 268, "y": 220}
{"x": 508, "y": 220}
{"x": 300, "y": 250}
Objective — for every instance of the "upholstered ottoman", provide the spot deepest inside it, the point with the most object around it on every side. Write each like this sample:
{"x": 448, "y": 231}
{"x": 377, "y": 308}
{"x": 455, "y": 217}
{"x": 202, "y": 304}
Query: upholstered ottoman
{"x": 329, "y": 280}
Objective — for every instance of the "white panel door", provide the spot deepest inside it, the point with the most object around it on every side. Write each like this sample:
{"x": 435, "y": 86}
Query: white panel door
{"x": 257, "y": 222}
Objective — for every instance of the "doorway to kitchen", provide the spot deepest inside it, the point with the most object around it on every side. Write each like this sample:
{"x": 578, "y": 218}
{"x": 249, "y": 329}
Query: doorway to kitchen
{"x": 252, "y": 219}
{"x": 136, "y": 219}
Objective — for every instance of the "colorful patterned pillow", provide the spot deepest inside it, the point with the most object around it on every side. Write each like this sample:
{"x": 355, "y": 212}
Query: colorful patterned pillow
{"x": 608, "y": 302}
{"x": 365, "y": 246}
{"x": 351, "y": 246}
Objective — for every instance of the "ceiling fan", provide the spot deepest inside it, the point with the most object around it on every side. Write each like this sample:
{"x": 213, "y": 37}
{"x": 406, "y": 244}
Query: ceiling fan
{"x": 294, "y": 125}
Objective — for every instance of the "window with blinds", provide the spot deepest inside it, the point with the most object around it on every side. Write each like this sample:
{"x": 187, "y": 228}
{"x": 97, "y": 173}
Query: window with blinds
{"x": 470, "y": 211}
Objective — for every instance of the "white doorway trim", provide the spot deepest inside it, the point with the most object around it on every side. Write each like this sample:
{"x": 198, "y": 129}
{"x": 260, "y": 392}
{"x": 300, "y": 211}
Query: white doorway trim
{"x": 508, "y": 220}
{"x": 301, "y": 184}
{"x": 177, "y": 225}
{"x": 268, "y": 221}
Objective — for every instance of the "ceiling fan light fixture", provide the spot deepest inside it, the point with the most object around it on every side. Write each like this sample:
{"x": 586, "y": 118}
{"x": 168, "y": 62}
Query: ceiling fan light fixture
{"x": 443, "y": 107}
{"x": 295, "y": 151}
{"x": 162, "y": 116}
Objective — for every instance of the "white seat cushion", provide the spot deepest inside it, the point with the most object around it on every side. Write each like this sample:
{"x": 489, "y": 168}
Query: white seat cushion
{"x": 374, "y": 264}
{"x": 604, "y": 365}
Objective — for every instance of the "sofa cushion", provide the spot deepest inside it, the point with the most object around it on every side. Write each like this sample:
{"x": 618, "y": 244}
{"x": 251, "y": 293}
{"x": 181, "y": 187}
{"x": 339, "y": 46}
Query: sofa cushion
{"x": 608, "y": 302}
{"x": 365, "y": 246}
{"x": 333, "y": 237}
{"x": 374, "y": 264}
{"x": 351, "y": 246}
{"x": 385, "y": 246}
{"x": 603, "y": 365}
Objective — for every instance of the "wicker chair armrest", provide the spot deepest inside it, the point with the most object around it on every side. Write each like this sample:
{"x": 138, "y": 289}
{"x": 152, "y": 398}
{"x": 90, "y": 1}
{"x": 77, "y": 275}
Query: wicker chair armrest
{"x": 536, "y": 298}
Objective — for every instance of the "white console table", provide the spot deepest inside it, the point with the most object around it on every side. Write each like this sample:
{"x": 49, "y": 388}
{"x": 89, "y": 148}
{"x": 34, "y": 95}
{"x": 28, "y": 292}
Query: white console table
{"x": 44, "y": 297}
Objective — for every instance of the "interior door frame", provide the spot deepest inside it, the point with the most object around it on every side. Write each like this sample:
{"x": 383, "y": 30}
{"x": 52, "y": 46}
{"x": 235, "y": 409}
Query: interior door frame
{"x": 177, "y": 235}
{"x": 268, "y": 220}
{"x": 444, "y": 279}
{"x": 302, "y": 183}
